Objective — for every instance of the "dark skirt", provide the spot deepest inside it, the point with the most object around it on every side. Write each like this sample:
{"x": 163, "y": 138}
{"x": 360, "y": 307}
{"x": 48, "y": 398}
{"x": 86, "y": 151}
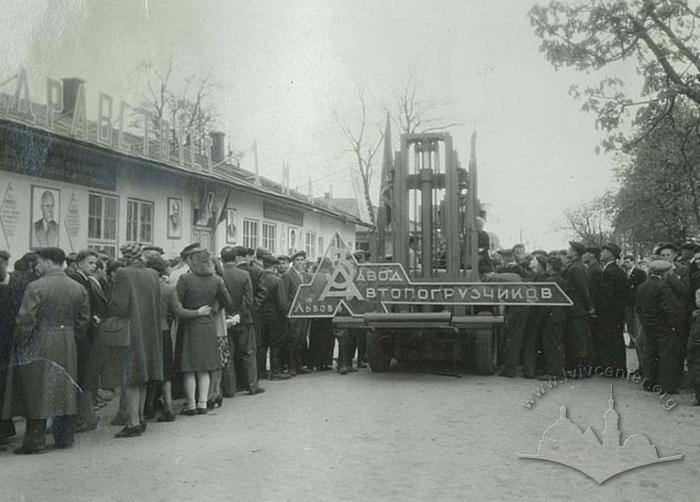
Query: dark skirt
{"x": 168, "y": 364}
{"x": 200, "y": 345}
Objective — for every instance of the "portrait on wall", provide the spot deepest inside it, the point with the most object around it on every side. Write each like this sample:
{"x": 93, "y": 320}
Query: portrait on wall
{"x": 231, "y": 227}
{"x": 45, "y": 213}
{"x": 174, "y": 218}
{"x": 292, "y": 242}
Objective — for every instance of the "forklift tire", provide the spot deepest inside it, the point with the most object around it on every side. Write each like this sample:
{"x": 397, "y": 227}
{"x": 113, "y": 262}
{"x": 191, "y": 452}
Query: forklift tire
{"x": 377, "y": 359}
{"x": 484, "y": 351}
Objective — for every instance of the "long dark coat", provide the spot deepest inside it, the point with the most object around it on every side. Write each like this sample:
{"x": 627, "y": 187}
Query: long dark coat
{"x": 608, "y": 342}
{"x": 53, "y": 311}
{"x": 136, "y": 295}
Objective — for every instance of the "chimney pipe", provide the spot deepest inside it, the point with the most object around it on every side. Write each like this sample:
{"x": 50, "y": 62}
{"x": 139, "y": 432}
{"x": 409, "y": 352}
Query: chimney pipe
{"x": 70, "y": 93}
{"x": 217, "y": 146}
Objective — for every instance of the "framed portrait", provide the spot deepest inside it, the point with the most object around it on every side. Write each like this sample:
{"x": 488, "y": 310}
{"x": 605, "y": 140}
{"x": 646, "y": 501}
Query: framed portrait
{"x": 292, "y": 239}
{"x": 231, "y": 226}
{"x": 46, "y": 210}
{"x": 174, "y": 218}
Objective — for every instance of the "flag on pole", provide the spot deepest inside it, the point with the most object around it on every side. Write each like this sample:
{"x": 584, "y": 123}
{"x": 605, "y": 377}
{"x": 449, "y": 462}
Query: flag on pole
{"x": 222, "y": 213}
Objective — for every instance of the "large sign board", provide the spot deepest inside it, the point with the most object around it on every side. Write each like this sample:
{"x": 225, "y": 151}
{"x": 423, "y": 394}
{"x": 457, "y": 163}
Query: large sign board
{"x": 341, "y": 281}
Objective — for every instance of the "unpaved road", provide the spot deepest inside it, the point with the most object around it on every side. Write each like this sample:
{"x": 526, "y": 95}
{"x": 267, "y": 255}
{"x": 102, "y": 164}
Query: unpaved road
{"x": 397, "y": 436}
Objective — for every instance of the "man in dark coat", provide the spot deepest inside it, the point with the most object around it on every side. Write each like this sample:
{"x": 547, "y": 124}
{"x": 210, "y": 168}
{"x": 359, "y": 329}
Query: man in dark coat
{"x": 694, "y": 351}
{"x": 255, "y": 272}
{"x": 679, "y": 279}
{"x": 294, "y": 277}
{"x": 85, "y": 267}
{"x": 553, "y": 326}
{"x": 271, "y": 305}
{"x": 608, "y": 341}
{"x": 54, "y": 311}
{"x": 242, "y": 335}
{"x": 635, "y": 278}
{"x": 591, "y": 259}
{"x": 576, "y": 333}
{"x": 659, "y": 312}
{"x": 7, "y": 329}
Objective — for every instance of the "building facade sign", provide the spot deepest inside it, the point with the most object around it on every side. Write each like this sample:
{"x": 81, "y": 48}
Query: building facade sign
{"x": 280, "y": 212}
{"x": 27, "y": 152}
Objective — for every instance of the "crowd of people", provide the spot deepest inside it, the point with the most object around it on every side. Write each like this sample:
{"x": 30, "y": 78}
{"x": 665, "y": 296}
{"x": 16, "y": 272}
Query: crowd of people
{"x": 656, "y": 301}
{"x": 77, "y": 328}
{"x": 204, "y": 327}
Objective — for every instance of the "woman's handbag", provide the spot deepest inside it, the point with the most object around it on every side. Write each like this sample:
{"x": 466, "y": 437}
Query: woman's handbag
{"x": 114, "y": 332}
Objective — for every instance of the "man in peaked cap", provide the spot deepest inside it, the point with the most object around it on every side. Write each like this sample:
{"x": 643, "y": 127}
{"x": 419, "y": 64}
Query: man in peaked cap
{"x": 608, "y": 341}
{"x": 659, "y": 312}
{"x": 298, "y": 328}
{"x": 577, "y": 330}
{"x": 283, "y": 266}
{"x": 242, "y": 335}
{"x": 255, "y": 271}
{"x": 272, "y": 306}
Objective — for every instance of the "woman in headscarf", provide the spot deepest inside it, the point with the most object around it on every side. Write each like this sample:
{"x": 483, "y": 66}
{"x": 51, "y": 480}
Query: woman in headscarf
{"x": 136, "y": 300}
{"x": 200, "y": 290}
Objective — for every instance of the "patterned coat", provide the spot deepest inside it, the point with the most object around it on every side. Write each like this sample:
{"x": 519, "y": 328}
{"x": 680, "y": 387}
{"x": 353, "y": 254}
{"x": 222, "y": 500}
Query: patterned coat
{"x": 55, "y": 309}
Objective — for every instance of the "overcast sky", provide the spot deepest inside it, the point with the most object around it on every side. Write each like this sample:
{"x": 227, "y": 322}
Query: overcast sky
{"x": 285, "y": 65}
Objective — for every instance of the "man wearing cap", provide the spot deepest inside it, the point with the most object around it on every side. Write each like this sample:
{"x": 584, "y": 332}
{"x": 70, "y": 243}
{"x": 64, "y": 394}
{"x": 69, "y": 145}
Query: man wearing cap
{"x": 576, "y": 332}
{"x": 283, "y": 266}
{"x": 7, "y": 328}
{"x": 271, "y": 305}
{"x": 591, "y": 259}
{"x": 659, "y": 312}
{"x": 255, "y": 271}
{"x": 679, "y": 281}
{"x": 149, "y": 251}
{"x": 242, "y": 335}
{"x": 298, "y": 328}
{"x": 608, "y": 341}
{"x": 352, "y": 339}
{"x": 85, "y": 268}
{"x": 635, "y": 278}
{"x": 55, "y": 310}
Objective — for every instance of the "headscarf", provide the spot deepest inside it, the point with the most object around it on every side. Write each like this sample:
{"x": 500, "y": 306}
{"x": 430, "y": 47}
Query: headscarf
{"x": 132, "y": 251}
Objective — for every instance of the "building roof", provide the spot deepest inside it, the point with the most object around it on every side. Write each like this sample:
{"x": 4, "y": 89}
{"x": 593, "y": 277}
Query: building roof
{"x": 224, "y": 172}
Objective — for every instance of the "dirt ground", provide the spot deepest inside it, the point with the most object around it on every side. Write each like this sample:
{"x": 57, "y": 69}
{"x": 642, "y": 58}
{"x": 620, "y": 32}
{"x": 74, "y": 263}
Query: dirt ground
{"x": 396, "y": 436}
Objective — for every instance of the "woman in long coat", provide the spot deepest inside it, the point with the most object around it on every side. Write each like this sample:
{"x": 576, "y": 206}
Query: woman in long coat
{"x": 199, "y": 291}
{"x": 136, "y": 297}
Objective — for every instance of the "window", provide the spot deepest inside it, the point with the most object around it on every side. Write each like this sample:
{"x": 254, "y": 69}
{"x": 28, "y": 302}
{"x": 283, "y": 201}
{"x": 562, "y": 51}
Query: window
{"x": 103, "y": 211}
{"x": 310, "y": 244}
{"x": 321, "y": 247}
{"x": 139, "y": 221}
{"x": 269, "y": 237}
{"x": 250, "y": 233}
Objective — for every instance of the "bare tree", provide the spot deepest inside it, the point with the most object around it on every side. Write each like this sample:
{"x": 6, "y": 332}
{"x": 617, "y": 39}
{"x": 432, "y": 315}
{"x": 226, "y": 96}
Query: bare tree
{"x": 363, "y": 145}
{"x": 165, "y": 99}
{"x": 413, "y": 115}
{"x": 590, "y": 222}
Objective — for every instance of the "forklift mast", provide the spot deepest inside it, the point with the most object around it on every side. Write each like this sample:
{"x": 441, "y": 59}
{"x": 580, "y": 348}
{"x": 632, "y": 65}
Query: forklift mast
{"x": 434, "y": 208}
